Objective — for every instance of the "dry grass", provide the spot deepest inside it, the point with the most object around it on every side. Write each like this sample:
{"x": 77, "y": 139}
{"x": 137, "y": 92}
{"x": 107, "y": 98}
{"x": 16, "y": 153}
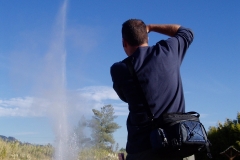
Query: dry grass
{"x": 19, "y": 151}
{"x": 97, "y": 154}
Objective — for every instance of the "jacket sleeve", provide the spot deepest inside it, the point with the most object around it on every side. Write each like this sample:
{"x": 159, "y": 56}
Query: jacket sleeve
{"x": 178, "y": 44}
{"x": 116, "y": 75}
{"x": 185, "y": 37}
{"x": 119, "y": 92}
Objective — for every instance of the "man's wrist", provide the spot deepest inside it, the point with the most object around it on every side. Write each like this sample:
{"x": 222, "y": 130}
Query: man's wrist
{"x": 148, "y": 27}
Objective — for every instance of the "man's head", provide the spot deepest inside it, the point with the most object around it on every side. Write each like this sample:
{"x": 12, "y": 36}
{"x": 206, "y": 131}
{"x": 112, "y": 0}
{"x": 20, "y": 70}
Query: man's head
{"x": 134, "y": 34}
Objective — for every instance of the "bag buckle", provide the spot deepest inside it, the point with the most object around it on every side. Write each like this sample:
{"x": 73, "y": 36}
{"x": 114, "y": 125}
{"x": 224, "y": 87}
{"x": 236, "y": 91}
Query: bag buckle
{"x": 175, "y": 142}
{"x": 165, "y": 142}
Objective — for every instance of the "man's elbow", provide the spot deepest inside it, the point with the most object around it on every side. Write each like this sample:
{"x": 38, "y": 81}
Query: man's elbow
{"x": 191, "y": 34}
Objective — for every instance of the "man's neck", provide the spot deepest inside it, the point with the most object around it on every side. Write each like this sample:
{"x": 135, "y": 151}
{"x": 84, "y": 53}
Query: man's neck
{"x": 134, "y": 48}
{"x": 144, "y": 45}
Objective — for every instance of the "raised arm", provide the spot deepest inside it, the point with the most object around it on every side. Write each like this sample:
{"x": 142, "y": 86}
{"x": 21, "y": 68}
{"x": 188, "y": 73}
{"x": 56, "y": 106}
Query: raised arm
{"x": 167, "y": 29}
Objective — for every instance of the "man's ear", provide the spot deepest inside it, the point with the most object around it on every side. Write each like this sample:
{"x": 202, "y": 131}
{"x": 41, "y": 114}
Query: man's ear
{"x": 124, "y": 43}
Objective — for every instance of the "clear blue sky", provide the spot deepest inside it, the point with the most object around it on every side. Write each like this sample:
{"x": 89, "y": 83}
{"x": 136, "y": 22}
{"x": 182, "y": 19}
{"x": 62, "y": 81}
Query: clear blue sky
{"x": 32, "y": 85}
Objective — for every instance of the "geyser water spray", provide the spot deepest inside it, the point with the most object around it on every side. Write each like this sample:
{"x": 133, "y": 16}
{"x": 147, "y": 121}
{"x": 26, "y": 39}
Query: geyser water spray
{"x": 54, "y": 90}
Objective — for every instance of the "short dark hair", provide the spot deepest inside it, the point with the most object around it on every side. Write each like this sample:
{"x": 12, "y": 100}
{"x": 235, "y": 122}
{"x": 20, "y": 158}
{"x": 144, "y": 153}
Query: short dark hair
{"x": 134, "y": 32}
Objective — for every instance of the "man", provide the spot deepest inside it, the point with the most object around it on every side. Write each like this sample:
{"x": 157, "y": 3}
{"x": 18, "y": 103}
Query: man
{"x": 158, "y": 70}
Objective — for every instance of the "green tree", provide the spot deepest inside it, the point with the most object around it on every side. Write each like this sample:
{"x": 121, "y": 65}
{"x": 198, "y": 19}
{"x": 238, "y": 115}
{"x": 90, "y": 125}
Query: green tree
{"x": 116, "y": 147}
{"x": 238, "y": 117}
{"x": 223, "y": 136}
{"x": 122, "y": 150}
{"x": 103, "y": 127}
{"x": 79, "y": 134}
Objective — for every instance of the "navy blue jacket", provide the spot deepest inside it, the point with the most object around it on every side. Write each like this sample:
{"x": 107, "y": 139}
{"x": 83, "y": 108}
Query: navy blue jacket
{"x": 158, "y": 70}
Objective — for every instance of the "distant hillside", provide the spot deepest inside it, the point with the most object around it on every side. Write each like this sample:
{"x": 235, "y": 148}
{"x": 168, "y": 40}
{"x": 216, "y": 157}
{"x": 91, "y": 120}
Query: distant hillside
{"x": 9, "y": 139}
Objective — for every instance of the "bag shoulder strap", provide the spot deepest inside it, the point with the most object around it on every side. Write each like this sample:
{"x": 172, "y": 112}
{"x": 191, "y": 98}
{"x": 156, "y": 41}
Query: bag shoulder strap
{"x": 129, "y": 62}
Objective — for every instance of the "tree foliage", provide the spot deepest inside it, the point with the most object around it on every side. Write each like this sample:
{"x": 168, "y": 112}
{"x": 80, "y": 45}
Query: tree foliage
{"x": 103, "y": 126}
{"x": 223, "y": 136}
{"x": 82, "y": 139}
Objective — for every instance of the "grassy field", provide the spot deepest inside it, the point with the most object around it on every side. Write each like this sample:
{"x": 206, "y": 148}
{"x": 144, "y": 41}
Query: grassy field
{"x": 98, "y": 154}
{"x": 21, "y": 151}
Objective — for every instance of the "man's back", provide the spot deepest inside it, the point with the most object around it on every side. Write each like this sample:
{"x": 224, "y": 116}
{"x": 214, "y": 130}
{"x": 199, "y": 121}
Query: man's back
{"x": 158, "y": 70}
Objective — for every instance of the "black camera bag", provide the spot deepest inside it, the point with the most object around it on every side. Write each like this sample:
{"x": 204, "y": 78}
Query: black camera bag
{"x": 180, "y": 135}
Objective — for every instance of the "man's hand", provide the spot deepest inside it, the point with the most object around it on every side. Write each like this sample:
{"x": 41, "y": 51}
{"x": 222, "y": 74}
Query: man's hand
{"x": 167, "y": 29}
